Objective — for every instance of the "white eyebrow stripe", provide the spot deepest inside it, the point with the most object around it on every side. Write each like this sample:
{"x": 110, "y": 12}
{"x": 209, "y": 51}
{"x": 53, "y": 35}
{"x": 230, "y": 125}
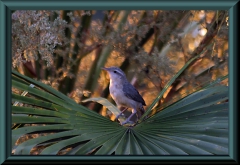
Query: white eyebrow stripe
{"x": 117, "y": 72}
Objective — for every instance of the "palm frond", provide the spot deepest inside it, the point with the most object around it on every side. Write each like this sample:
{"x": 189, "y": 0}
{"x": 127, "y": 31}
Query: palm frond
{"x": 194, "y": 125}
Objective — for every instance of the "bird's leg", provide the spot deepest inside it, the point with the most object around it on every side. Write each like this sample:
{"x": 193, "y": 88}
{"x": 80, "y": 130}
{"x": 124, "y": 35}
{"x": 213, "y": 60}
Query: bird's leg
{"x": 121, "y": 113}
{"x": 134, "y": 111}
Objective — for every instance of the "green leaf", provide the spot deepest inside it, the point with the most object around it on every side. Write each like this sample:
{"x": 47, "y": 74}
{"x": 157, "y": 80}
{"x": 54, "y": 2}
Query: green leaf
{"x": 194, "y": 125}
{"x": 35, "y": 111}
{"x": 25, "y": 147}
{"x": 28, "y": 119}
{"x": 96, "y": 142}
{"x": 135, "y": 148}
{"x": 16, "y": 134}
{"x": 53, "y": 149}
{"x": 109, "y": 147}
{"x": 109, "y": 106}
{"x": 44, "y": 86}
{"x": 123, "y": 147}
{"x": 196, "y": 100}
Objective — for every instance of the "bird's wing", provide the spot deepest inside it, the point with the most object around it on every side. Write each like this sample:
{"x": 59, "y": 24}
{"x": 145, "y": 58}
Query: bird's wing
{"x": 132, "y": 93}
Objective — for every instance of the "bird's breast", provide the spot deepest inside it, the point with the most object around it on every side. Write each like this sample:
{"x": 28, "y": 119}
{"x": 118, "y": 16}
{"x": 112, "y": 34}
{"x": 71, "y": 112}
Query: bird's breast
{"x": 116, "y": 92}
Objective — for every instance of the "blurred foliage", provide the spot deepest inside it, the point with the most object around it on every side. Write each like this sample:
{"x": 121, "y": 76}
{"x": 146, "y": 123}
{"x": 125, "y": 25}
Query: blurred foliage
{"x": 66, "y": 49}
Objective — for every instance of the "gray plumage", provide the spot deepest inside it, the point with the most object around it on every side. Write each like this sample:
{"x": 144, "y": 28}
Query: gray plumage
{"x": 132, "y": 93}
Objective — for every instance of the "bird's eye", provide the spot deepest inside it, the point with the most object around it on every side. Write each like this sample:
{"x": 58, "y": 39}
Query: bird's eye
{"x": 115, "y": 71}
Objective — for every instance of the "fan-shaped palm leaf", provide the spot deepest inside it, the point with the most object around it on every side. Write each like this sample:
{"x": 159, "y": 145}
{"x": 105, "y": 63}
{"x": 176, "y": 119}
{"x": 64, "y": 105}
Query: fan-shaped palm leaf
{"x": 196, "y": 124}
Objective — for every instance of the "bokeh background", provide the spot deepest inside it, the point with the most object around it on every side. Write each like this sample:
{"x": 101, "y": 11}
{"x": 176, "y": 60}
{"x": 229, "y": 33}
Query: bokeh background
{"x": 66, "y": 50}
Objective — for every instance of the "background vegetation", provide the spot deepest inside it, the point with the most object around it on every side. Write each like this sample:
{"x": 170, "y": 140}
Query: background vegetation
{"x": 66, "y": 49}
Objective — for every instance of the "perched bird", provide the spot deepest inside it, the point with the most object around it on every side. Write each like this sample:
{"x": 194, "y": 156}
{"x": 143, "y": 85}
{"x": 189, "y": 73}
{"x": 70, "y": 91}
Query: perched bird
{"x": 124, "y": 93}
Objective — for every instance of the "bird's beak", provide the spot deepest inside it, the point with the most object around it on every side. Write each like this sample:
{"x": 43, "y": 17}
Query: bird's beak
{"x": 104, "y": 68}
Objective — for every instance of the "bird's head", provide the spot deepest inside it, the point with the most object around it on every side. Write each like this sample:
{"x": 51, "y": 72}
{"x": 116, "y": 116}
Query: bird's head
{"x": 115, "y": 73}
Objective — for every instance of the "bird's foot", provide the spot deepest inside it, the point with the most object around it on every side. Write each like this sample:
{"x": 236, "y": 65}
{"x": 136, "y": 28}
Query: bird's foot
{"x": 124, "y": 122}
{"x": 120, "y": 114}
{"x": 127, "y": 122}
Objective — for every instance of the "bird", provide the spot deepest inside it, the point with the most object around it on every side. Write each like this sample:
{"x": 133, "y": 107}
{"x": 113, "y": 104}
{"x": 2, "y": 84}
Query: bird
{"x": 124, "y": 93}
